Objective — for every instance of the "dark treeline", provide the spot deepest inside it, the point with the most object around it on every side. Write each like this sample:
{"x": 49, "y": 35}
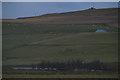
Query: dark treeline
{"x": 70, "y": 67}
{"x": 78, "y": 65}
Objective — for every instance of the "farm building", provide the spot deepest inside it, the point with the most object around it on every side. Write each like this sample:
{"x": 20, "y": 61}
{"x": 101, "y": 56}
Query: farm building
{"x": 100, "y": 30}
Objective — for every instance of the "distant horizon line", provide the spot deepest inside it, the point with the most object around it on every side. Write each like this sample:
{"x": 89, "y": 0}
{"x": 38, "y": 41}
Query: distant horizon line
{"x": 53, "y": 13}
{"x": 60, "y": 1}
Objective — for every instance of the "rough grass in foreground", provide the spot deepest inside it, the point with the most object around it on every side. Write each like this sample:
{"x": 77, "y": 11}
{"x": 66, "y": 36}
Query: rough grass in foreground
{"x": 33, "y": 43}
{"x": 62, "y": 76}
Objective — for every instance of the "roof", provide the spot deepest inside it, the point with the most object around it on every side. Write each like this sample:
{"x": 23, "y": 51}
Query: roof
{"x": 100, "y": 30}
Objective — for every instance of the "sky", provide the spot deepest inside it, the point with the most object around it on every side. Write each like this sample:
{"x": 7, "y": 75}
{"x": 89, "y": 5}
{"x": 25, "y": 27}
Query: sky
{"x": 60, "y": 0}
{"x": 12, "y": 10}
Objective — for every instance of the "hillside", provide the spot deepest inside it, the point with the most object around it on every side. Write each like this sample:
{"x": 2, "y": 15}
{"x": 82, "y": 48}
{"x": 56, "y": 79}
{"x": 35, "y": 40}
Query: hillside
{"x": 60, "y": 41}
{"x": 61, "y": 37}
{"x": 90, "y": 16}
{"x": 32, "y": 43}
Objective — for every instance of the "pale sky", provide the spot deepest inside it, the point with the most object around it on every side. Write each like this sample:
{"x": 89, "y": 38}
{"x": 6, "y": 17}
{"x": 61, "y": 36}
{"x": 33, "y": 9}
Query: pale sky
{"x": 60, "y": 0}
{"x": 12, "y": 10}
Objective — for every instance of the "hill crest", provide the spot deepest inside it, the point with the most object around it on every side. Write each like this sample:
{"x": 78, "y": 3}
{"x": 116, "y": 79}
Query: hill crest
{"x": 73, "y": 12}
{"x": 107, "y": 16}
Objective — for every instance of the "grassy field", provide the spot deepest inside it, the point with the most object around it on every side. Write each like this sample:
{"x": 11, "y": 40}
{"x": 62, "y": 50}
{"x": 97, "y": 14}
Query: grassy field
{"x": 33, "y": 43}
{"x": 62, "y": 76}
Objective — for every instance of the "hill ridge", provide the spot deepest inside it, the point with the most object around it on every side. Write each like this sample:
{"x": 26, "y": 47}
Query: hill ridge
{"x": 108, "y": 16}
{"x": 58, "y": 14}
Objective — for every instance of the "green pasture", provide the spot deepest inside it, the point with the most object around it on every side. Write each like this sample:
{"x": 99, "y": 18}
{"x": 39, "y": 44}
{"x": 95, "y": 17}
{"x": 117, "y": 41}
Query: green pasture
{"x": 33, "y": 43}
{"x": 61, "y": 76}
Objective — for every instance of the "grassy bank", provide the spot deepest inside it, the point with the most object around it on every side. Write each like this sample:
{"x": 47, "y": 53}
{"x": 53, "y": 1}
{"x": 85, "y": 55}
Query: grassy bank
{"x": 61, "y": 76}
{"x": 33, "y": 43}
